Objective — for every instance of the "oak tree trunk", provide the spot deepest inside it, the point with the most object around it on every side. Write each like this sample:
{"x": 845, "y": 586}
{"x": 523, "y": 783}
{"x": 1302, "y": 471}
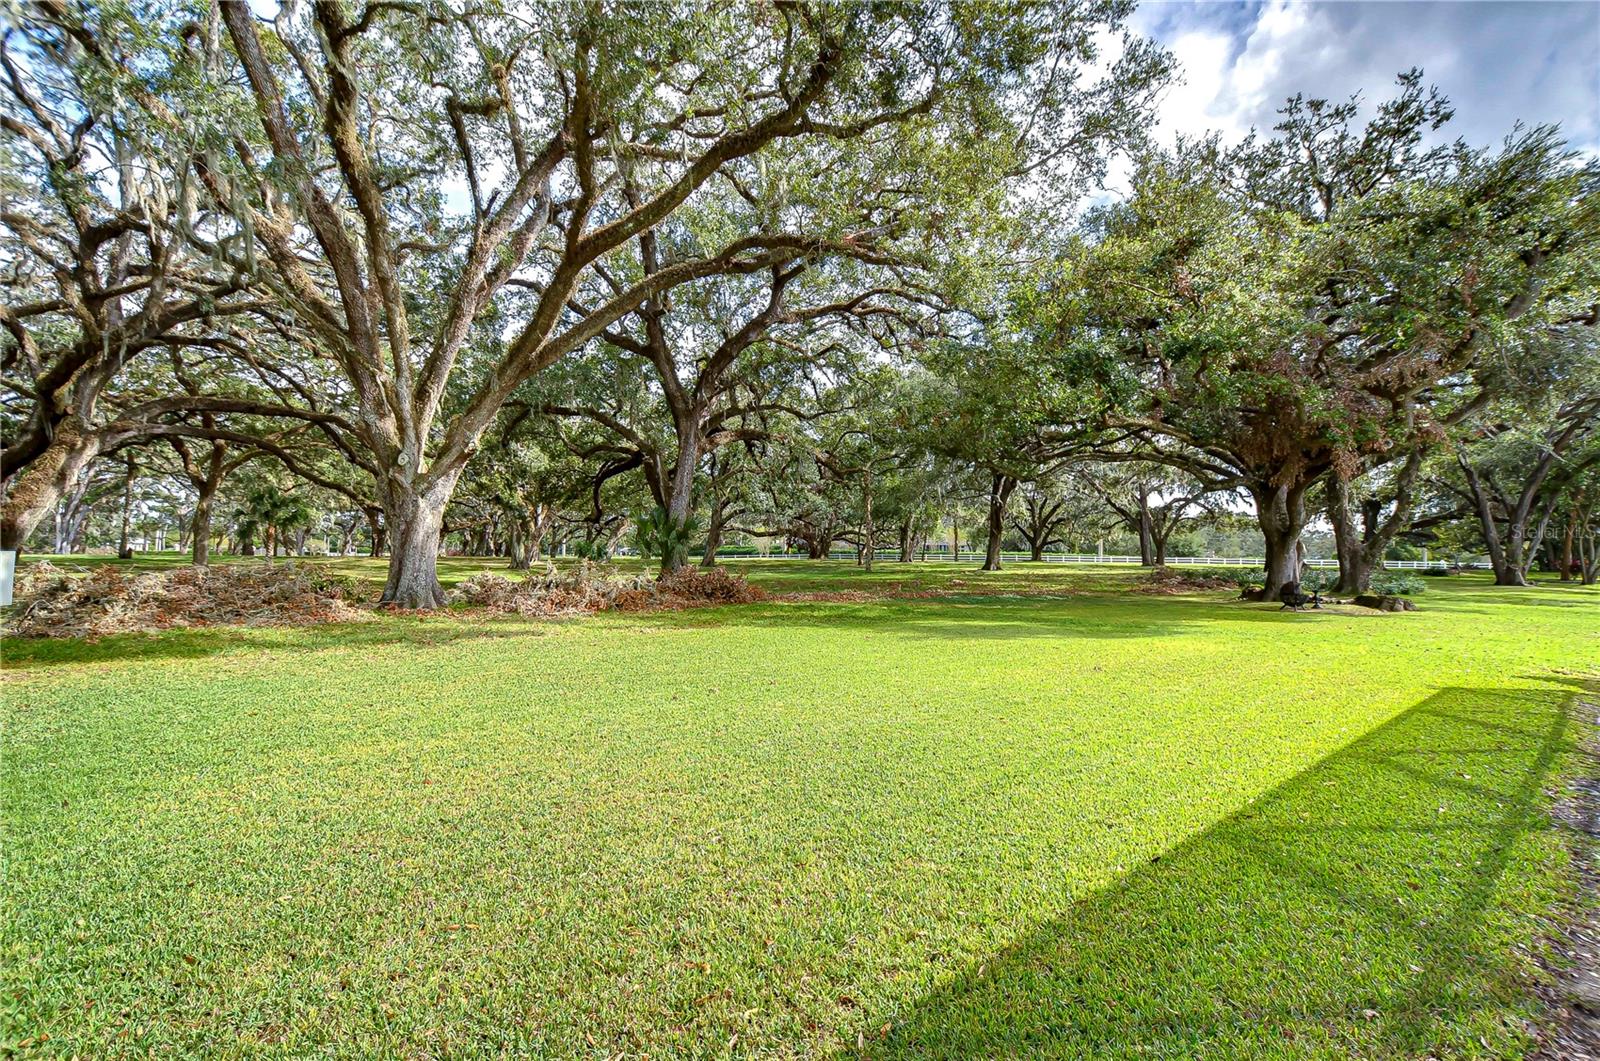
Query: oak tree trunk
{"x": 1283, "y": 563}
{"x": 72, "y": 530}
{"x": 1000, "y": 488}
{"x": 869, "y": 547}
{"x": 70, "y": 517}
{"x": 1505, "y": 552}
{"x": 1507, "y": 571}
{"x": 1536, "y": 542}
{"x": 520, "y": 541}
{"x": 1281, "y": 514}
{"x": 675, "y": 552}
{"x": 713, "y": 537}
{"x": 542, "y": 520}
{"x": 200, "y": 529}
{"x": 1355, "y": 566}
{"x": 39, "y": 487}
{"x": 125, "y": 545}
{"x": 414, "y": 563}
{"x": 1147, "y": 556}
{"x": 375, "y": 530}
{"x": 1567, "y": 541}
{"x": 517, "y": 547}
{"x": 414, "y": 523}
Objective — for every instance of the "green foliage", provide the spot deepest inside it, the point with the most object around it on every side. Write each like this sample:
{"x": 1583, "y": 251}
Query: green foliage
{"x": 1317, "y": 580}
{"x": 267, "y": 507}
{"x": 656, "y": 534}
{"x": 1290, "y": 304}
{"x": 1247, "y": 577}
{"x": 1398, "y": 583}
{"x": 1401, "y": 550}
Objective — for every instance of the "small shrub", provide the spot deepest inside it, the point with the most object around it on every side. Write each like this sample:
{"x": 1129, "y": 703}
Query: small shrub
{"x": 1318, "y": 581}
{"x": 1397, "y": 583}
{"x": 1248, "y": 577}
{"x": 656, "y": 535}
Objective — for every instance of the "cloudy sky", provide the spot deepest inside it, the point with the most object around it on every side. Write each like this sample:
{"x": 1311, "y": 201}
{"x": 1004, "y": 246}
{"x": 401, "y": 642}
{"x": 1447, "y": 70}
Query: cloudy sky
{"x": 1538, "y": 61}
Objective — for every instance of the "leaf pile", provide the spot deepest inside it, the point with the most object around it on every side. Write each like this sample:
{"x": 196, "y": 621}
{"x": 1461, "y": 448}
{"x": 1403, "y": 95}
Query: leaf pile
{"x": 716, "y": 586}
{"x": 1173, "y": 580}
{"x": 57, "y": 602}
{"x": 591, "y": 587}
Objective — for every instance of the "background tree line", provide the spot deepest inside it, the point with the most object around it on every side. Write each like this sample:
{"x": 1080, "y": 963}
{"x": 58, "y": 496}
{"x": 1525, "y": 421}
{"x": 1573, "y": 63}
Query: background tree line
{"x": 409, "y": 280}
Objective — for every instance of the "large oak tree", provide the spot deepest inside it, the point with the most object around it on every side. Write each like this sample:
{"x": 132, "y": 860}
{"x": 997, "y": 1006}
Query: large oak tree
{"x": 1288, "y": 309}
{"x": 570, "y": 133}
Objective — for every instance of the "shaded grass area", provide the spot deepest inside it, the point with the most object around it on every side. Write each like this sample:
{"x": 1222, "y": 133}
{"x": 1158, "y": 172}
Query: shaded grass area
{"x": 370, "y": 571}
{"x": 1351, "y": 912}
{"x": 791, "y": 576}
{"x": 781, "y": 576}
{"x": 1094, "y": 824}
{"x": 777, "y": 575}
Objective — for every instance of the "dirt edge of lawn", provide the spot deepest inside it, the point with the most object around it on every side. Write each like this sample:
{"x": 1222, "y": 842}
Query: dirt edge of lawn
{"x": 1571, "y": 995}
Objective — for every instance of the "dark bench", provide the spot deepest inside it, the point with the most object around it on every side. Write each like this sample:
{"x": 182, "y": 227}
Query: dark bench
{"x": 1294, "y": 599}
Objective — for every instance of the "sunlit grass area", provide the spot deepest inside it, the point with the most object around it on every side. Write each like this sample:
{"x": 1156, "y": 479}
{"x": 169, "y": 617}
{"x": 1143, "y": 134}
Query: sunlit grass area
{"x": 1078, "y": 823}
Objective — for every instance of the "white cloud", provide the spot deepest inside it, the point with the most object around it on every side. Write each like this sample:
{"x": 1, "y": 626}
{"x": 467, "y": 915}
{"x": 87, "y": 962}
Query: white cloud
{"x": 1198, "y": 104}
{"x": 1498, "y": 62}
{"x": 1281, "y": 33}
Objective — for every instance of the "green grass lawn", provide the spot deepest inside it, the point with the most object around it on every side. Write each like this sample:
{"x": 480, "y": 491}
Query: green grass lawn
{"x": 1087, "y": 823}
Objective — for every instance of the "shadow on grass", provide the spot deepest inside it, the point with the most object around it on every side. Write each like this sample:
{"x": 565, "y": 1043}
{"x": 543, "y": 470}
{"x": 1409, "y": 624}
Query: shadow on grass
{"x": 991, "y": 616}
{"x": 978, "y": 614}
{"x": 1373, "y": 906}
{"x": 197, "y": 643}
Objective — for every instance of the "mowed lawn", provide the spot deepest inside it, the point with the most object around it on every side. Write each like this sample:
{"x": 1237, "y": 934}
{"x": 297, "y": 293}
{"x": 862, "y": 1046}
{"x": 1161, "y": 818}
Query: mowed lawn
{"x": 1083, "y": 823}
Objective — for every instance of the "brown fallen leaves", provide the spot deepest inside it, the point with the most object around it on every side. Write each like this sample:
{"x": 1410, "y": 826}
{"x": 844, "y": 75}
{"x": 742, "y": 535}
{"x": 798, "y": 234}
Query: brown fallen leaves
{"x": 57, "y": 602}
{"x": 592, "y": 587}
{"x": 1171, "y": 580}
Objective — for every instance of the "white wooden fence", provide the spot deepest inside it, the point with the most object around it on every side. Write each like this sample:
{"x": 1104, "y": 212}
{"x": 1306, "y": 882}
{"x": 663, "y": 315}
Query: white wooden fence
{"x": 1097, "y": 558}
